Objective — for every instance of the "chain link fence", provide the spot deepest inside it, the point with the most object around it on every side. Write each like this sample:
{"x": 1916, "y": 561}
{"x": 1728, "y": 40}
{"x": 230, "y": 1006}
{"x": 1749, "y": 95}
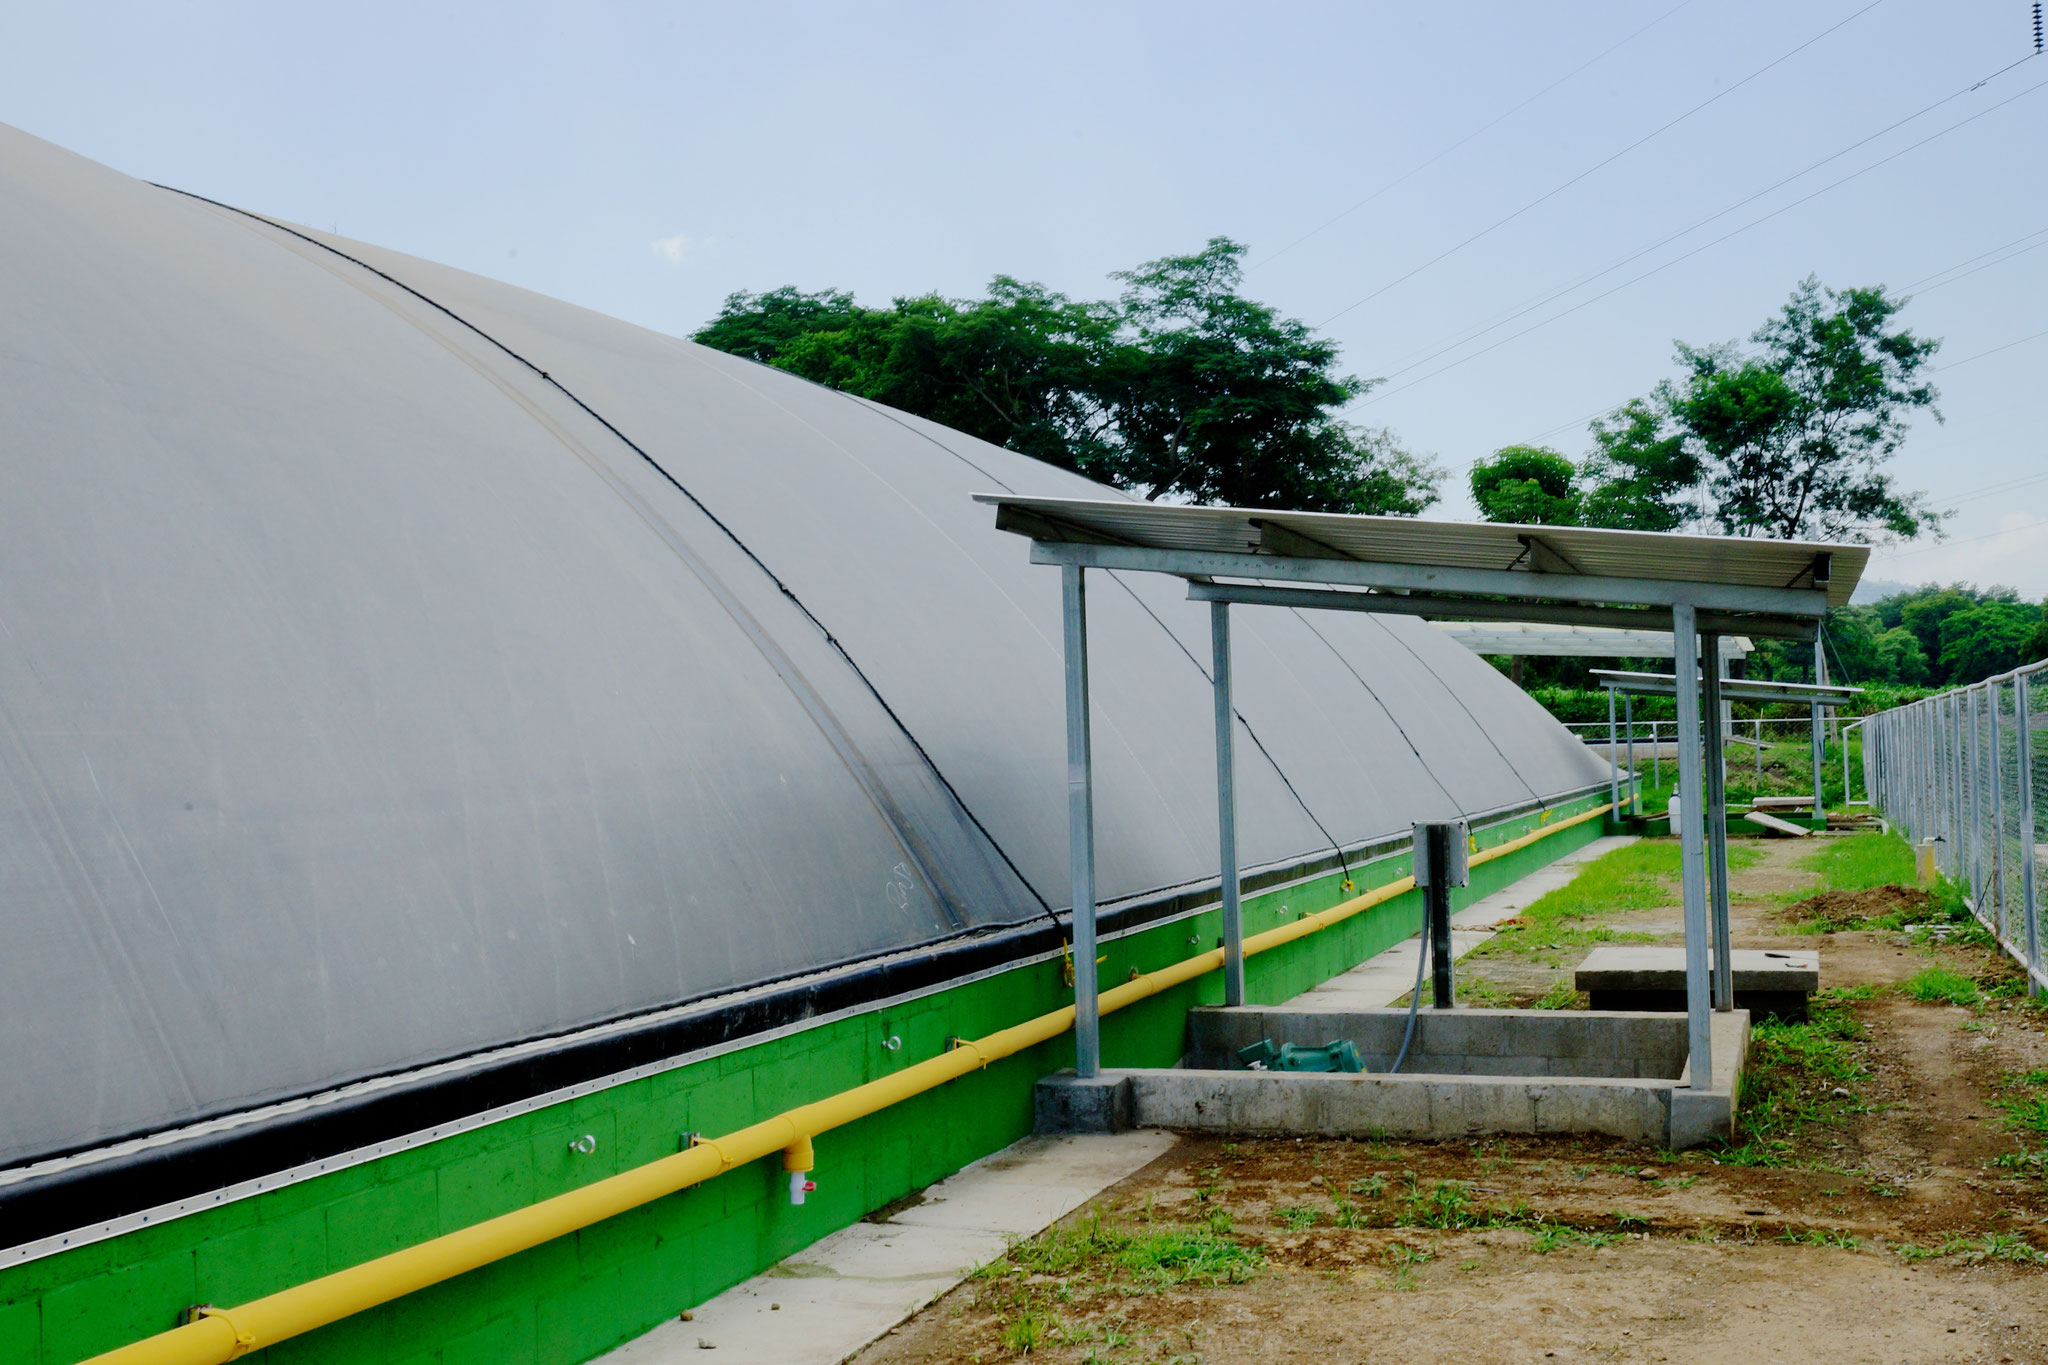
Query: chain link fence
{"x": 1966, "y": 772}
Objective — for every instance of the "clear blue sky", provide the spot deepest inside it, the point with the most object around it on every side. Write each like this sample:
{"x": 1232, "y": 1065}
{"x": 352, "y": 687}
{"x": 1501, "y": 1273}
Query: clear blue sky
{"x": 646, "y": 160}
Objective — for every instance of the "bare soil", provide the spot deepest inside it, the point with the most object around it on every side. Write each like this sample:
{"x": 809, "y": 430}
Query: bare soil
{"x": 1882, "y": 1230}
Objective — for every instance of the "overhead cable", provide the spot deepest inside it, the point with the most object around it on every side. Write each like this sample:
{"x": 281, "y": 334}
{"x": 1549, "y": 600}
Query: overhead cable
{"x": 1920, "y": 285}
{"x": 1381, "y": 395}
{"x": 1583, "y": 280}
{"x": 1550, "y": 194}
{"x": 1493, "y": 123}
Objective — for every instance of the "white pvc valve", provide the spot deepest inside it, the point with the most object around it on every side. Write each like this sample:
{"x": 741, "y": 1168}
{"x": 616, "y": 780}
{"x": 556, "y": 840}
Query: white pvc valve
{"x": 799, "y": 1186}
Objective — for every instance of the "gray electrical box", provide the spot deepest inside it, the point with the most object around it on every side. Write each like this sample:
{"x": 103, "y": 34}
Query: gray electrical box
{"x": 1454, "y": 843}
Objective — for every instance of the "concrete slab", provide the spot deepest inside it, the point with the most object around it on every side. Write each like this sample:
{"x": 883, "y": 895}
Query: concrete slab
{"x": 830, "y": 1300}
{"x": 1775, "y": 983}
{"x": 1387, "y": 977}
{"x": 1470, "y": 1072}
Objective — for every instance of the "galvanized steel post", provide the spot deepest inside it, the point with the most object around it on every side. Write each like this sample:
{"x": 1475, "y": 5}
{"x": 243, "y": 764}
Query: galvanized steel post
{"x": 1081, "y": 821}
{"x": 1635, "y": 786}
{"x": 1820, "y": 677}
{"x": 1692, "y": 856}
{"x": 2028, "y": 836}
{"x": 1613, "y": 758}
{"x": 1226, "y": 806}
{"x": 1973, "y": 755}
{"x": 1991, "y": 694}
{"x": 1716, "y": 813}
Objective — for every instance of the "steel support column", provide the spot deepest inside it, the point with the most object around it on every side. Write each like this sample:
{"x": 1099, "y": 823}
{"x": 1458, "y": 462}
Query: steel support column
{"x": 1716, "y": 812}
{"x": 1820, "y": 677}
{"x": 1635, "y": 786}
{"x": 1692, "y": 852}
{"x": 1613, "y": 759}
{"x": 1081, "y": 821}
{"x": 1226, "y": 806}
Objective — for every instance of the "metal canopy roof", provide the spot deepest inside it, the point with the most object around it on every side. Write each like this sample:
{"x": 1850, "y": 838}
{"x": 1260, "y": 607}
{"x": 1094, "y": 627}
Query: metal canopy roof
{"x": 1693, "y": 587}
{"x": 1552, "y": 639}
{"x": 1732, "y": 689}
{"x": 1639, "y": 567}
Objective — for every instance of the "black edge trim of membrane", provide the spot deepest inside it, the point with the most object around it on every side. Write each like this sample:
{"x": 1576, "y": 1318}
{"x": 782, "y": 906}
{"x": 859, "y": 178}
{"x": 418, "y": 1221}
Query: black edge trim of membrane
{"x": 95, "y": 1193}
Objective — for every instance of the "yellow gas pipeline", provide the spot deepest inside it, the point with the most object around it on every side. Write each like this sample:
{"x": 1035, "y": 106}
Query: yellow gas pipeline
{"x": 217, "y": 1335}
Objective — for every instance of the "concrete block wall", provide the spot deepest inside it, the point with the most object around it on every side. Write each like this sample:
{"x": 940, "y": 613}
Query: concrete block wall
{"x": 578, "y": 1296}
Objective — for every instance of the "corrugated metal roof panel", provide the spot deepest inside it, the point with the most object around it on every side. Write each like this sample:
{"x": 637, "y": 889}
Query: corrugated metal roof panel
{"x": 1734, "y": 560}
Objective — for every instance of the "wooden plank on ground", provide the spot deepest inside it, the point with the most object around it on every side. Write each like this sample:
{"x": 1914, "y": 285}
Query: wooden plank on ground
{"x": 1775, "y": 825}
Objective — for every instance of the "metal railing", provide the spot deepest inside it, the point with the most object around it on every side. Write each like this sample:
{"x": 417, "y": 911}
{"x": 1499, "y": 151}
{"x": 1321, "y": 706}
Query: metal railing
{"x": 1967, "y": 771}
{"x": 1649, "y": 748}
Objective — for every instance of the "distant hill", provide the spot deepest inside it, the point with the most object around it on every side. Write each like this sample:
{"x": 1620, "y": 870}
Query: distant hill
{"x": 1872, "y": 589}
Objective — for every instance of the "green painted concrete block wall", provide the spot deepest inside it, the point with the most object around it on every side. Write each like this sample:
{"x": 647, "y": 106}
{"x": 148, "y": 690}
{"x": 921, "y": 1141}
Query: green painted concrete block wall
{"x": 579, "y": 1295}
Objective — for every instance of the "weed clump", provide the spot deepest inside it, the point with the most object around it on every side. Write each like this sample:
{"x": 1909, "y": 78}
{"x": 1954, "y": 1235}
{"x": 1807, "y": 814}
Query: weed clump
{"x": 1137, "y": 1261}
{"x": 1800, "y": 1076}
{"x": 1942, "y": 986}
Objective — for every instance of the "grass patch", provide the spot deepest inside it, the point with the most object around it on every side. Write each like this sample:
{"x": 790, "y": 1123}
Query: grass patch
{"x": 1791, "y": 1082}
{"x": 1992, "y": 1246}
{"x": 1862, "y": 861}
{"x": 1942, "y": 986}
{"x": 1297, "y": 1219}
{"x": 1639, "y": 877}
{"x": 2026, "y": 1107}
{"x": 1139, "y": 1261}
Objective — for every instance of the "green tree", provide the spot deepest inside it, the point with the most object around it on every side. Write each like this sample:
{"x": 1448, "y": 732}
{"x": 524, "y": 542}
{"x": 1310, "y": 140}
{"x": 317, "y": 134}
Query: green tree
{"x": 1531, "y": 485}
{"x": 761, "y": 326}
{"x": 2037, "y": 642}
{"x": 1853, "y": 654}
{"x": 1923, "y": 610}
{"x": 1985, "y": 639}
{"x": 1640, "y": 474}
{"x": 1901, "y": 657}
{"x": 1180, "y": 388}
{"x": 1793, "y": 435}
{"x": 1219, "y": 399}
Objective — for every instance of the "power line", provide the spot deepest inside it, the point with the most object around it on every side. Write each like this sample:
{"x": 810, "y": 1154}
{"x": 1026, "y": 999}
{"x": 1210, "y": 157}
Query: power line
{"x": 1488, "y": 127}
{"x": 1972, "y": 540}
{"x": 1925, "y": 279}
{"x": 1958, "y": 364}
{"x": 1676, "y": 260}
{"x": 2012, "y": 256}
{"x": 1583, "y": 280}
{"x": 1607, "y": 161}
{"x": 1993, "y": 490}
{"x": 1614, "y": 408}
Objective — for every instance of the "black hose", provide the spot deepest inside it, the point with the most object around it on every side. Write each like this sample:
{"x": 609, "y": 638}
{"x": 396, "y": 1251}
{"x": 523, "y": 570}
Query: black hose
{"x": 1415, "y": 996}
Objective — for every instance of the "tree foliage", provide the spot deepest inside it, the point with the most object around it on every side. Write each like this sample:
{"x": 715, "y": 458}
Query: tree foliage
{"x": 1533, "y": 485}
{"x": 1934, "y": 635}
{"x": 1786, "y": 438}
{"x": 1179, "y": 388}
{"x": 1793, "y": 434}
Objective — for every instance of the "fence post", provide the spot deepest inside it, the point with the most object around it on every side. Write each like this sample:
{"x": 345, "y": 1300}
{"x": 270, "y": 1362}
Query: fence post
{"x": 1993, "y": 692}
{"x": 2028, "y": 905}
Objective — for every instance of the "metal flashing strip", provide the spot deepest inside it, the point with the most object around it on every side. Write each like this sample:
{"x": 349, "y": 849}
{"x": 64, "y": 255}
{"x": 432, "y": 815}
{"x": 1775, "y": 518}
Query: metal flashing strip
{"x": 106, "y": 1229}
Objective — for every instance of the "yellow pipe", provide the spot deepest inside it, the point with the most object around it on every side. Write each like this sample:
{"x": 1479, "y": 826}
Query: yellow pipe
{"x": 221, "y": 1334}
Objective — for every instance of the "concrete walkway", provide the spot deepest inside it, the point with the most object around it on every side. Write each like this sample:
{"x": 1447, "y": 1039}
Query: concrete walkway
{"x": 1380, "y": 981}
{"x": 829, "y": 1301}
{"x": 837, "y": 1295}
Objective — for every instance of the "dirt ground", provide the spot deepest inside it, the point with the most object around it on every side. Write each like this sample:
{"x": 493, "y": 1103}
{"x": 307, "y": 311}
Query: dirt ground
{"x": 1865, "y": 1215}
